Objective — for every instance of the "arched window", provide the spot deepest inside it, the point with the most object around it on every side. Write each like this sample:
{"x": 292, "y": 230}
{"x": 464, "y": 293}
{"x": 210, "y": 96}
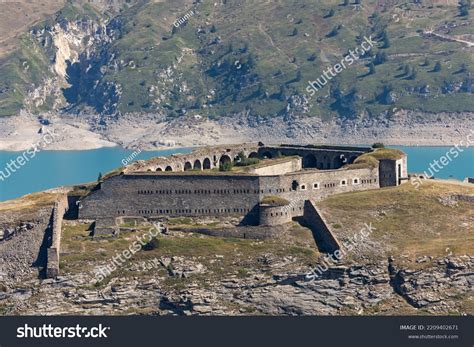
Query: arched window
{"x": 294, "y": 185}
{"x": 207, "y": 164}
{"x": 197, "y": 165}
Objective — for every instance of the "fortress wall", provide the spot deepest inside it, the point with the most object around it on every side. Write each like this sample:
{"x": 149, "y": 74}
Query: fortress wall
{"x": 274, "y": 215}
{"x": 315, "y": 185}
{"x": 173, "y": 195}
{"x": 387, "y": 172}
{"x": 393, "y": 172}
{"x": 190, "y": 194}
{"x": 325, "y": 239}
{"x": 244, "y": 232}
{"x": 403, "y": 174}
{"x": 199, "y": 159}
{"x": 60, "y": 208}
{"x": 290, "y": 165}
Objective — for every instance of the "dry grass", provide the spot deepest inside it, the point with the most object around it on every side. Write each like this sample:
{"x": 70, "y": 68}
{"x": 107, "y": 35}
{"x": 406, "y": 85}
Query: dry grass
{"x": 386, "y": 153}
{"x": 274, "y": 201}
{"x": 371, "y": 159}
{"x": 221, "y": 256}
{"x": 408, "y": 221}
{"x": 17, "y": 16}
{"x": 29, "y": 202}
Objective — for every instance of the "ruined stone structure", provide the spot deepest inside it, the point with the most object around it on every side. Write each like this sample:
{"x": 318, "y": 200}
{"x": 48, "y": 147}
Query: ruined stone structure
{"x": 60, "y": 208}
{"x": 297, "y": 174}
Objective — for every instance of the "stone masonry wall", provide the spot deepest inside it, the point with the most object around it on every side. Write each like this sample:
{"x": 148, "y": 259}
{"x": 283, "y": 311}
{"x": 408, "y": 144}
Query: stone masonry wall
{"x": 315, "y": 184}
{"x": 291, "y": 164}
{"x": 60, "y": 208}
{"x": 274, "y": 215}
{"x": 216, "y": 194}
{"x": 244, "y": 232}
{"x": 204, "y": 158}
{"x": 150, "y": 195}
{"x": 325, "y": 239}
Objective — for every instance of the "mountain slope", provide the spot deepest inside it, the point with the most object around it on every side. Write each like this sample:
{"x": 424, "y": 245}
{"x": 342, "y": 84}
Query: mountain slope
{"x": 243, "y": 57}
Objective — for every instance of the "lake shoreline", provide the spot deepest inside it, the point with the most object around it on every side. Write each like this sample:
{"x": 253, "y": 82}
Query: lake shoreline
{"x": 117, "y": 146}
{"x": 74, "y": 133}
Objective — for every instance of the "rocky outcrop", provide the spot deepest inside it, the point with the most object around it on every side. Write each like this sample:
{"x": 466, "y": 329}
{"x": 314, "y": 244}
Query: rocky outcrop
{"x": 78, "y": 56}
{"x": 434, "y": 287}
{"x": 7, "y": 232}
{"x": 23, "y": 252}
{"x": 345, "y": 289}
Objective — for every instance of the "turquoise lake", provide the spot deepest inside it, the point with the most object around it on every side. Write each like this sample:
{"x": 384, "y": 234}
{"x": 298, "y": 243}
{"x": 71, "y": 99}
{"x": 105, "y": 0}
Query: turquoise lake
{"x": 49, "y": 169}
{"x": 420, "y": 158}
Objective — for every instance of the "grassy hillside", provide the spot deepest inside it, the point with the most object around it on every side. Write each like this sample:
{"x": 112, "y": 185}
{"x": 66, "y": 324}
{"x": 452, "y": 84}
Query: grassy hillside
{"x": 409, "y": 222}
{"x": 257, "y": 57}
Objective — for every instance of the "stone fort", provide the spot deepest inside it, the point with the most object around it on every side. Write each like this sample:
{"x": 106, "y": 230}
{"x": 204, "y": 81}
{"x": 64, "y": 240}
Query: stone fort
{"x": 272, "y": 192}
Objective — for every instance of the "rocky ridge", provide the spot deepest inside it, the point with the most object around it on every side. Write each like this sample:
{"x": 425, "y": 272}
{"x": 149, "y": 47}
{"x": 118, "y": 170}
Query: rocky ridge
{"x": 271, "y": 285}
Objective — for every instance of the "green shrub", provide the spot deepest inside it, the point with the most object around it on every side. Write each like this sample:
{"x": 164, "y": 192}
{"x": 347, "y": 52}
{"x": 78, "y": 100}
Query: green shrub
{"x": 242, "y": 273}
{"x": 153, "y": 244}
{"x": 247, "y": 162}
{"x": 225, "y": 166}
{"x": 378, "y": 145}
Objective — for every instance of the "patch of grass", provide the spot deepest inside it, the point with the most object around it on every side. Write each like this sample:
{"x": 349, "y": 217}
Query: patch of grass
{"x": 364, "y": 161}
{"x": 273, "y": 200}
{"x": 371, "y": 159}
{"x": 29, "y": 202}
{"x": 387, "y": 153}
{"x": 180, "y": 221}
{"x": 79, "y": 248}
{"x": 242, "y": 273}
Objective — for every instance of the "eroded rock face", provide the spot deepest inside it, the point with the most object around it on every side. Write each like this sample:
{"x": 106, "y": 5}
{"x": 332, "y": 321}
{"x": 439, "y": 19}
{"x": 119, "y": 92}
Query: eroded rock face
{"x": 21, "y": 254}
{"x": 436, "y": 286}
{"x": 78, "y": 56}
{"x": 278, "y": 288}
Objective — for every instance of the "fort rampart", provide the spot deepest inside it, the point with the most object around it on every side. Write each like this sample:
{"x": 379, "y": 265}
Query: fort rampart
{"x": 325, "y": 239}
{"x": 219, "y": 194}
{"x": 196, "y": 188}
{"x": 60, "y": 208}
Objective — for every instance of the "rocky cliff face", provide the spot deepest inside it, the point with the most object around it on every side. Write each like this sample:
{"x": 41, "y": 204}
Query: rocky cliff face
{"x": 78, "y": 54}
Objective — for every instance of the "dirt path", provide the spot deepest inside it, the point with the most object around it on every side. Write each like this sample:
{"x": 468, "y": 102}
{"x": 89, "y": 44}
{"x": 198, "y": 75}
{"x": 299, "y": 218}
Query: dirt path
{"x": 449, "y": 38}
